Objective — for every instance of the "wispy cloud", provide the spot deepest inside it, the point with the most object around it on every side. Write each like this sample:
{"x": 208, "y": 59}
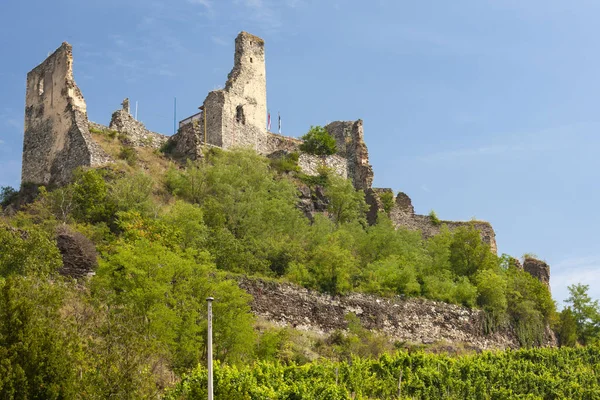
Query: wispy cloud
{"x": 205, "y": 3}
{"x": 266, "y": 15}
{"x": 220, "y": 40}
{"x": 482, "y": 151}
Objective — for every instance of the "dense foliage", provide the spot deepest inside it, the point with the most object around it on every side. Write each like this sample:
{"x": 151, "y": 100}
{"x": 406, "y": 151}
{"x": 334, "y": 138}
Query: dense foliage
{"x": 169, "y": 239}
{"x": 318, "y": 141}
{"x": 524, "y": 374}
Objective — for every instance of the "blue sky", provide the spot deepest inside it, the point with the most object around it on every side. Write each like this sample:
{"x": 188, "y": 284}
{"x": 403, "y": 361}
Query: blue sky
{"x": 474, "y": 108}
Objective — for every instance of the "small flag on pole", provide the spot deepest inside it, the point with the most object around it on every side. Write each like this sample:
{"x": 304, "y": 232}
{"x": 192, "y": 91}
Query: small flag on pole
{"x": 269, "y": 122}
{"x": 279, "y": 116}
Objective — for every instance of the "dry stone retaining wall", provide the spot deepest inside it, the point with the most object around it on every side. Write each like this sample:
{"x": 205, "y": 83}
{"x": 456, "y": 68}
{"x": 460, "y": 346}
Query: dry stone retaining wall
{"x": 402, "y": 319}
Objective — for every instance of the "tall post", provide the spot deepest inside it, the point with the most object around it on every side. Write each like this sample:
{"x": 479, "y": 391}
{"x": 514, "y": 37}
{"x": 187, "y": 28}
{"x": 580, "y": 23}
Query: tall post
{"x": 175, "y": 116}
{"x": 209, "y": 351}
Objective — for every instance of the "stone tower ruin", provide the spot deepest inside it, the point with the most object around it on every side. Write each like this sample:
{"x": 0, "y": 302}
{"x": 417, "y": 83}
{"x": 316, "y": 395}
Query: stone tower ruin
{"x": 236, "y": 116}
{"x": 56, "y": 139}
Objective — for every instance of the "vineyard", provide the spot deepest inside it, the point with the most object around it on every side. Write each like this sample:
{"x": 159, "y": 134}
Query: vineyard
{"x": 565, "y": 373}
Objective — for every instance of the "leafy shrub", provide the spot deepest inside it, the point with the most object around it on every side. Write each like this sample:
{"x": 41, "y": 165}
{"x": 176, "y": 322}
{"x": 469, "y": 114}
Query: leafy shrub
{"x": 286, "y": 163}
{"x": 168, "y": 147}
{"x": 434, "y": 218}
{"x": 7, "y": 195}
{"x": 128, "y": 154}
{"x": 387, "y": 199}
{"x": 318, "y": 142}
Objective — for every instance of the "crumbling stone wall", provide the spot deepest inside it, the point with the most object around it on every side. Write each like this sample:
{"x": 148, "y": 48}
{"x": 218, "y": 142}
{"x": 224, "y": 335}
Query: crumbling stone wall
{"x": 310, "y": 164}
{"x": 403, "y": 214}
{"x": 134, "y": 131}
{"x": 57, "y": 139}
{"x": 538, "y": 269}
{"x": 349, "y": 136}
{"x": 235, "y": 116}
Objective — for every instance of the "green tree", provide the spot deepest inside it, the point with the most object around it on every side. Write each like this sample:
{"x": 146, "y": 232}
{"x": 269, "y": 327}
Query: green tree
{"x": 491, "y": 288}
{"x": 318, "y": 142}
{"x": 38, "y": 351}
{"x": 90, "y": 196}
{"x": 331, "y": 268}
{"x": 567, "y": 328}
{"x": 167, "y": 292}
{"x": 27, "y": 252}
{"x": 586, "y": 312}
{"x": 253, "y": 223}
{"x": 468, "y": 253}
{"x": 132, "y": 193}
{"x": 391, "y": 276}
{"x": 346, "y": 204}
{"x": 7, "y": 195}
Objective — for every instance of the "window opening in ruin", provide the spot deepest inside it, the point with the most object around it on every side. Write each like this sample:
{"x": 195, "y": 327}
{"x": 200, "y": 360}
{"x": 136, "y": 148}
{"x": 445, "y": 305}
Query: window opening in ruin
{"x": 41, "y": 87}
{"x": 239, "y": 115}
{"x": 250, "y": 59}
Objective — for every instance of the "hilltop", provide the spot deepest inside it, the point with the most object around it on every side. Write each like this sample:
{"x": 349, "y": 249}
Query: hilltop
{"x": 118, "y": 234}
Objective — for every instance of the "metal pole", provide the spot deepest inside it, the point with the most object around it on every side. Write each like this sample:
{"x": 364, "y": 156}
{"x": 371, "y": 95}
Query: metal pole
{"x": 136, "y": 110}
{"x": 209, "y": 351}
{"x": 175, "y": 116}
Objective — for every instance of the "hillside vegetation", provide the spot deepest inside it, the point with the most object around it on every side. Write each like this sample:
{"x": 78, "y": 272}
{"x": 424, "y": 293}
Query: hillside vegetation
{"x": 169, "y": 236}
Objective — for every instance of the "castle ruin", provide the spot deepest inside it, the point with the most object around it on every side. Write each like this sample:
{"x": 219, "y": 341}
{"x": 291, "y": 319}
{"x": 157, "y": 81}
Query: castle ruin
{"x": 58, "y": 140}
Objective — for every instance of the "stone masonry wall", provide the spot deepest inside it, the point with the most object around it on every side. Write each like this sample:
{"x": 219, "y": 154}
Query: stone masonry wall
{"x": 236, "y": 117}
{"x": 56, "y": 139}
{"x": 401, "y": 319}
{"x": 403, "y": 214}
{"x": 135, "y": 132}
{"x": 349, "y": 136}
{"x": 310, "y": 164}
{"x": 237, "y": 114}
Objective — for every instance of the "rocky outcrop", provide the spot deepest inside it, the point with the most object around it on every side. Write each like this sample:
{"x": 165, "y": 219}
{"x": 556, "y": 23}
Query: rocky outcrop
{"x": 312, "y": 201}
{"x": 538, "y": 269}
{"x": 56, "y": 139}
{"x": 401, "y": 319}
{"x": 78, "y": 253}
